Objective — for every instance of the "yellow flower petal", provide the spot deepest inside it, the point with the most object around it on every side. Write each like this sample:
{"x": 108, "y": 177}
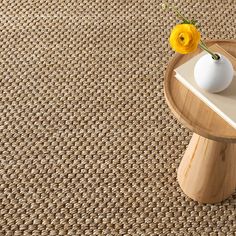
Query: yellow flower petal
{"x": 184, "y": 38}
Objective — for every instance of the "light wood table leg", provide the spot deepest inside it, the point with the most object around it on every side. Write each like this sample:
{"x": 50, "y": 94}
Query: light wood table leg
{"x": 207, "y": 172}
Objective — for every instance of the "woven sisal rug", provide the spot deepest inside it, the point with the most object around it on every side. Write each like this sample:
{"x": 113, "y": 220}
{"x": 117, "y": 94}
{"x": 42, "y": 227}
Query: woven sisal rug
{"x": 88, "y": 145}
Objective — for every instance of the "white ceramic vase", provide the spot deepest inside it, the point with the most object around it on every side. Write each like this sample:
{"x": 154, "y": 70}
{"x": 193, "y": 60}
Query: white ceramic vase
{"x": 213, "y": 75}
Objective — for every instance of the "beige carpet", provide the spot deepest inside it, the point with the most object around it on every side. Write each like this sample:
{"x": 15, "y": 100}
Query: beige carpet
{"x": 88, "y": 145}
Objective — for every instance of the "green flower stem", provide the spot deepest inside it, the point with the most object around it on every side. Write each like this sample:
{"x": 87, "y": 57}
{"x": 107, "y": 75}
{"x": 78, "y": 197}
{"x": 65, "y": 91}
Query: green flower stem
{"x": 176, "y": 11}
{"x": 203, "y": 43}
{"x": 204, "y": 47}
{"x": 179, "y": 14}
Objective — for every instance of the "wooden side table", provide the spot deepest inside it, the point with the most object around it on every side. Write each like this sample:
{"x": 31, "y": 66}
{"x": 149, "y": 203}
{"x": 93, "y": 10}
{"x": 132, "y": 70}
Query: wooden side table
{"x": 207, "y": 172}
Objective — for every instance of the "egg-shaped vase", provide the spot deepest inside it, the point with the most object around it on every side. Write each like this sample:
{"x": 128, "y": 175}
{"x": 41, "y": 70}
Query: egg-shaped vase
{"x": 213, "y": 75}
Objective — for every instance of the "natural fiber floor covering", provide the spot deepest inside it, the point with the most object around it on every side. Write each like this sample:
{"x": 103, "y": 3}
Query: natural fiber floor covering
{"x": 88, "y": 145}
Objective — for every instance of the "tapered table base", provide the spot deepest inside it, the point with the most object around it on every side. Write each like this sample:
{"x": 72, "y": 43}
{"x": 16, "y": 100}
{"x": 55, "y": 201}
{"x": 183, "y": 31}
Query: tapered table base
{"x": 207, "y": 172}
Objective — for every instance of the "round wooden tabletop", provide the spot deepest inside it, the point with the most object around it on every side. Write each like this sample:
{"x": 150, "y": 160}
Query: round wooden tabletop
{"x": 189, "y": 109}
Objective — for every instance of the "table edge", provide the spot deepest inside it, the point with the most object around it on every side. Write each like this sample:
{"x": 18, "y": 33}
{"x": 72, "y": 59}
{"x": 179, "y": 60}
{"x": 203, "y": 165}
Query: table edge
{"x": 177, "y": 113}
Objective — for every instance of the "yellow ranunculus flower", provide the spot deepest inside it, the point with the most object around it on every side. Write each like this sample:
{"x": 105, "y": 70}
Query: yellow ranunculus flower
{"x": 184, "y": 38}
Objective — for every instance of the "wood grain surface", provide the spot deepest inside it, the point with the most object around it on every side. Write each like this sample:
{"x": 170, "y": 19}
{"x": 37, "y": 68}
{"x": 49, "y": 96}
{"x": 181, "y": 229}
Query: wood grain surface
{"x": 189, "y": 109}
{"x": 207, "y": 172}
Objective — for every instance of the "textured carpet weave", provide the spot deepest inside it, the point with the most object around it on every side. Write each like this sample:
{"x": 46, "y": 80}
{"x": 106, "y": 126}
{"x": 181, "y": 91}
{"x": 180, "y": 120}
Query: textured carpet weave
{"x": 88, "y": 145}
